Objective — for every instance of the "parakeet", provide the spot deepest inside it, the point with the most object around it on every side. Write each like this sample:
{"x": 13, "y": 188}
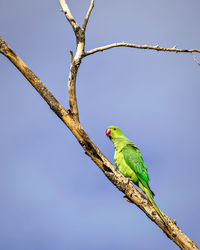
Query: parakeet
{"x": 129, "y": 162}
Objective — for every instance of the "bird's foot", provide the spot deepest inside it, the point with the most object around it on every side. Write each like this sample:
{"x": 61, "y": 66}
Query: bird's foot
{"x": 130, "y": 180}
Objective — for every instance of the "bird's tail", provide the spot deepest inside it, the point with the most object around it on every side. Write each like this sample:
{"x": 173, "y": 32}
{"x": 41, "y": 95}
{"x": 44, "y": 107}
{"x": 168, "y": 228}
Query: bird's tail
{"x": 150, "y": 197}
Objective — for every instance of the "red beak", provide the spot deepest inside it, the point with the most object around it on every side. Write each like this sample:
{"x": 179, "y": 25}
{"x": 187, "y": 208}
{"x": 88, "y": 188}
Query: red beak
{"x": 108, "y": 131}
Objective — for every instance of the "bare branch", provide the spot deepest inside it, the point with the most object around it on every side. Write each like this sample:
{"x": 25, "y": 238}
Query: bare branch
{"x": 136, "y": 46}
{"x": 195, "y": 59}
{"x": 68, "y": 15}
{"x": 75, "y": 61}
{"x": 72, "y": 89}
{"x": 124, "y": 185}
{"x": 88, "y": 15}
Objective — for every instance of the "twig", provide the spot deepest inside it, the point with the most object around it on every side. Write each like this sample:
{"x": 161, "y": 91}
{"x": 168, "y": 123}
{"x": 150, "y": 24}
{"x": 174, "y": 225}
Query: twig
{"x": 71, "y": 57}
{"x": 195, "y": 59}
{"x": 136, "y": 46}
{"x": 88, "y": 15}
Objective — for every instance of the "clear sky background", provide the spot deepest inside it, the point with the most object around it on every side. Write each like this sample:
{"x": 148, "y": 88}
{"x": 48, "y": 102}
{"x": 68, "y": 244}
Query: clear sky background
{"x": 52, "y": 195}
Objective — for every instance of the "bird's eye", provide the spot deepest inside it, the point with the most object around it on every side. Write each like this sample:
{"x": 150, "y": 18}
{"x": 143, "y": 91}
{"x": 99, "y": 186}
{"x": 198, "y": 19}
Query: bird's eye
{"x": 114, "y": 128}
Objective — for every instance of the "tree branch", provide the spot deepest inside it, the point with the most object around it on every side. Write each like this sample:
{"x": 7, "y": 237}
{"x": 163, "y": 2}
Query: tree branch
{"x": 71, "y": 120}
{"x": 88, "y": 15}
{"x": 72, "y": 87}
{"x": 68, "y": 15}
{"x": 76, "y": 61}
{"x": 136, "y": 46}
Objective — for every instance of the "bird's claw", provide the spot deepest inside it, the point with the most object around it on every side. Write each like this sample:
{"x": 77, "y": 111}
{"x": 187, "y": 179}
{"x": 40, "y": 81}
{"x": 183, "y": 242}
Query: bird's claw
{"x": 129, "y": 181}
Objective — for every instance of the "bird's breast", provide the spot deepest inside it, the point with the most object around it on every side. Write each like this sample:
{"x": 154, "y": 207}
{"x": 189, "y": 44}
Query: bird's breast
{"x": 123, "y": 167}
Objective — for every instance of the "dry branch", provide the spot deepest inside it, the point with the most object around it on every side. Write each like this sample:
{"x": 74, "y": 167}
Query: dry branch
{"x": 136, "y": 46}
{"x": 148, "y": 47}
{"x": 88, "y": 15}
{"x": 71, "y": 120}
{"x": 68, "y": 15}
{"x": 76, "y": 61}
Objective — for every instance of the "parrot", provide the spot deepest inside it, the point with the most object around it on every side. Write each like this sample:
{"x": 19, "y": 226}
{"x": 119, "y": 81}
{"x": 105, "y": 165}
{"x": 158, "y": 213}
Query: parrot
{"x": 130, "y": 163}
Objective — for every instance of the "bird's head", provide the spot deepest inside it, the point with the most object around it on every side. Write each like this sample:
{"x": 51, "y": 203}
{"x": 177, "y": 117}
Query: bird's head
{"x": 114, "y": 132}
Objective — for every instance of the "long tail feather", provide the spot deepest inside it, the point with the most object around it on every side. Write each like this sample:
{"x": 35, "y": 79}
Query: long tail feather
{"x": 149, "y": 195}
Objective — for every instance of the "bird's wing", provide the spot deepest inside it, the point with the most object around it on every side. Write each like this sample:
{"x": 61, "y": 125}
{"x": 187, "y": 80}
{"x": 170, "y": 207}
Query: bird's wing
{"x": 133, "y": 158}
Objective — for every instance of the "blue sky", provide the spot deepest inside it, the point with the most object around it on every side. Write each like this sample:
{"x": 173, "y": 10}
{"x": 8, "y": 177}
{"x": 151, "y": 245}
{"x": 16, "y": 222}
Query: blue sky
{"x": 52, "y": 195}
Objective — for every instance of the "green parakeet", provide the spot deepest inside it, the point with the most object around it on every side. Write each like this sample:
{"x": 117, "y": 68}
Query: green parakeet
{"x": 129, "y": 162}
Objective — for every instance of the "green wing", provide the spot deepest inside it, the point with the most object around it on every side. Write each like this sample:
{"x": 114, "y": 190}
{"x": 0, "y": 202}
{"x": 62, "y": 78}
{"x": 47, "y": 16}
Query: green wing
{"x": 133, "y": 158}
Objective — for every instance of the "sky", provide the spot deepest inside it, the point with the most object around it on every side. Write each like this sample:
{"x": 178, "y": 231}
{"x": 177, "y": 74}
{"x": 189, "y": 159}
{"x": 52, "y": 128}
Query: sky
{"x": 52, "y": 195}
